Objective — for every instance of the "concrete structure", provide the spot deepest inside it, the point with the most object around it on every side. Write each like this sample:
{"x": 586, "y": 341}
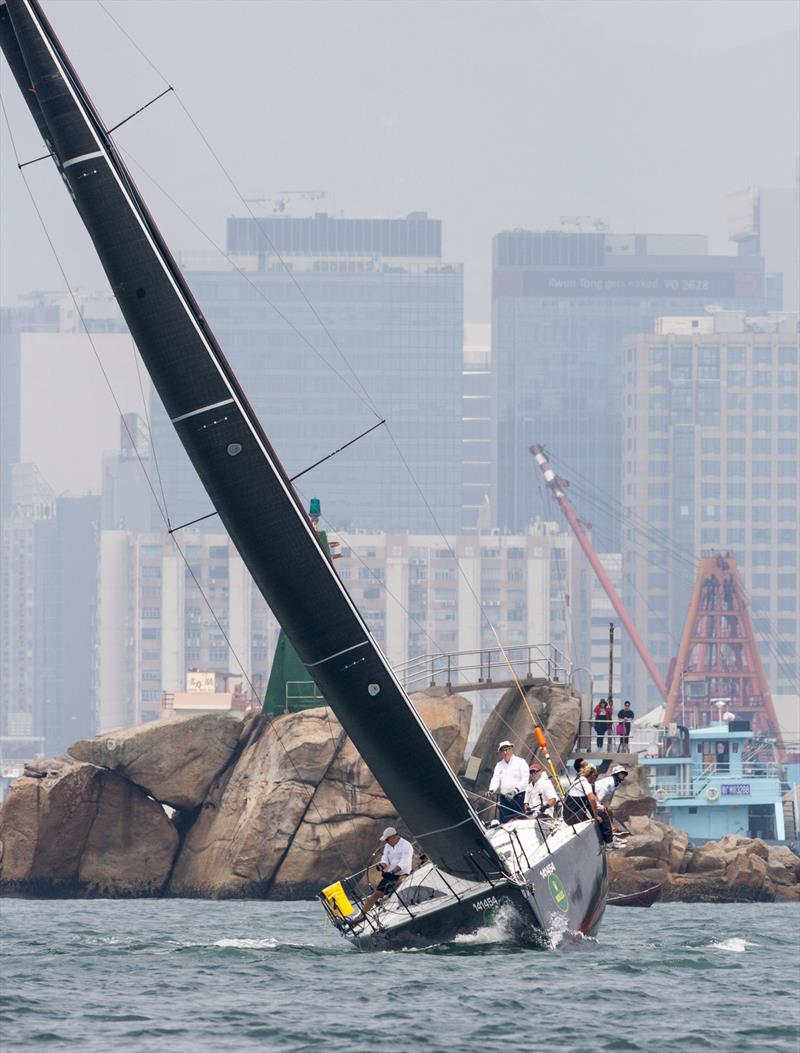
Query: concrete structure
{"x": 766, "y": 222}
{"x": 394, "y": 309}
{"x": 711, "y": 464}
{"x": 562, "y": 305}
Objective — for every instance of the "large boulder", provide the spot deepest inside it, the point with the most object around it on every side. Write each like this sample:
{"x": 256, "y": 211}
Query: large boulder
{"x": 298, "y": 807}
{"x": 68, "y": 828}
{"x": 632, "y": 797}
{"x": 174, "y": 759}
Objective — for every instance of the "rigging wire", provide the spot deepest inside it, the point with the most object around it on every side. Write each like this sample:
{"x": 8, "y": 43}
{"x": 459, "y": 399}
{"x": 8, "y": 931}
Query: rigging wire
{"x": 534, "y": 721}
{"x": 119, "y": 408}
{"x": 244, "y": 274}
{"x": 684, "y": 564}
{"x": 273, "y": 248}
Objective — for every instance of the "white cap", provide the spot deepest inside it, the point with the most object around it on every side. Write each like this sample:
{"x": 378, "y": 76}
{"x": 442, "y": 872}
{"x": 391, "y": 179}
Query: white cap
{"x": 387, "y": 833}
{"x": 504, "y": 745}
{"x": 619, "y": 770}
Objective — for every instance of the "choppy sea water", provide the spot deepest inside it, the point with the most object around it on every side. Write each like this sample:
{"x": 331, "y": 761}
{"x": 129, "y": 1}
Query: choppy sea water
{"x": 170, "y": 976}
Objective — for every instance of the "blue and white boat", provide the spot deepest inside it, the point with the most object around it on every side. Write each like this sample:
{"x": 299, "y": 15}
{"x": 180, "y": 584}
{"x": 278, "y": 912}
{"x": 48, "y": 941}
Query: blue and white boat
{"x": 717, "y": 780}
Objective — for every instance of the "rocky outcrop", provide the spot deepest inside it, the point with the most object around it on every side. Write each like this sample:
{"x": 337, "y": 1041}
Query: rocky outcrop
{"x": 174, "y": 760}
{"x": 733, "y": 869}
{"x": 298, "y": 804}
{"x": 70, "y": 829}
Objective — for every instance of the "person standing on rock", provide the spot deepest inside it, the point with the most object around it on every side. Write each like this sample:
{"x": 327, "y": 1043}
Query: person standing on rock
{"x": 510, "y": 781}
{"x": 395, "y": 864}
{"x": 625, "y": 716}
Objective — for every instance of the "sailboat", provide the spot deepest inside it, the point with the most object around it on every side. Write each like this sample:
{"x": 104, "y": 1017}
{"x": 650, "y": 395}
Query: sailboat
{"x": 549, "y": 880}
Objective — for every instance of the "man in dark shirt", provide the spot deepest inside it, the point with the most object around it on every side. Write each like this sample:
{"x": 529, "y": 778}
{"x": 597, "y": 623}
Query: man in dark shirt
{"x": 625, "y": 717}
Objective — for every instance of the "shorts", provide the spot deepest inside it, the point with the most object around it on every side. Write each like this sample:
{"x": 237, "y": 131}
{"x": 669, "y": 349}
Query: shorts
{"x": 388, "y": 882}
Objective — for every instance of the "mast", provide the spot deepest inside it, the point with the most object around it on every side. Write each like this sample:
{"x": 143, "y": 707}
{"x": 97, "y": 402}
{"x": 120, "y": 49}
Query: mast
{"x": 556, "y": 486}
{"x": 235, "y": 461}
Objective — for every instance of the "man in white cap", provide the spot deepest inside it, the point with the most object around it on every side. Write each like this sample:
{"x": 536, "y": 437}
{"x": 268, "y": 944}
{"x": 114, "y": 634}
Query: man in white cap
{"x": 604, "y": 791}
{"x": 510, "y": 781}
{"x": 395, "y": 864}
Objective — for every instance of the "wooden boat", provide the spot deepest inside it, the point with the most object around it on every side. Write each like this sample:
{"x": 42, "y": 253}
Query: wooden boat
{"x": 646, "y": 898}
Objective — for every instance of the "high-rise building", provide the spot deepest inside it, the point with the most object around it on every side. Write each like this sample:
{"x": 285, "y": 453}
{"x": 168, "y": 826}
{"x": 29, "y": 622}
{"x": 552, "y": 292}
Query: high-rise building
{"x": 37, "y": 316}
{"x": 562, "y": 305}
{"x": 478, "y": 431}
{"x": 331, "y": 325}
{"x": 163, "y": 611}
{"x": 31, "y": 502}
{"x": 66, "y": 555}
{"x": 160, "y": 615}
{"x": 711, "y": 465}
{"x": 765, "y": 221}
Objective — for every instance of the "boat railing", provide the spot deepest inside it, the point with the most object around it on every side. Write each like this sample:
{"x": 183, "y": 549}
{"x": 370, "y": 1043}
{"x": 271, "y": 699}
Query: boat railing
{"x": 484, "y": 667}
{"x": 302, "y": 694}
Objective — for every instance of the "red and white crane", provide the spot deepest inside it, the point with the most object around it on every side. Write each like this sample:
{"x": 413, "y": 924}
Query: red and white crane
{"x": 557, "y": 487}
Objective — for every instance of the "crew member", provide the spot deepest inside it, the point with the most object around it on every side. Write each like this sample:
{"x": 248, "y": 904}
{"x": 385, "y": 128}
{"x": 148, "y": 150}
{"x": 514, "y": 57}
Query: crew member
{"x": 604, "y": 790}
{"x": 395, "y": 864}
{"x": 580, "y": 802}
{"x": 540, "y": 797}
{"x": 510, "y": 781}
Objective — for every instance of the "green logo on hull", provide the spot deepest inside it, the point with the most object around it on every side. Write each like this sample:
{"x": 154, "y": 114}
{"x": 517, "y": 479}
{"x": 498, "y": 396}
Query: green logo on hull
{"x": 558, "y": 892}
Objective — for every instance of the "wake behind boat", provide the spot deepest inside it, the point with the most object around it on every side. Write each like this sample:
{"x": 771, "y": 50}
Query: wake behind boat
{"x": 472, "y": 870}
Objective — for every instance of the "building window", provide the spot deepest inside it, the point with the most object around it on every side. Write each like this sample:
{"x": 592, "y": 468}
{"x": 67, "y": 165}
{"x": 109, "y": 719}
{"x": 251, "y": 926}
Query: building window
{"x": 710, "y": 446}
{"x": 760, "y": 536}
{"x": 734, "y": 536}
{"x": 710, "y": 536}
{"x": 151, "y": 634}
{"x": 736, "y": 467}
{"x": 787, "y": 356}
{"x": 761, "y": 514}
{"x": 736, "y": 423}
{"x": 762, "y": 445}
{"x": 786, "y": 536}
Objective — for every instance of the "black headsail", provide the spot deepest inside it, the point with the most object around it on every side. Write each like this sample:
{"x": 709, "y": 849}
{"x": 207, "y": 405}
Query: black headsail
{"x": 235, "y": 461}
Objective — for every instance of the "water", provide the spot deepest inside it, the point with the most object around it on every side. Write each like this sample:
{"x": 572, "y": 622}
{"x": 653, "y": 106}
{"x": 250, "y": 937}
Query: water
{"x": 178, "y": 975}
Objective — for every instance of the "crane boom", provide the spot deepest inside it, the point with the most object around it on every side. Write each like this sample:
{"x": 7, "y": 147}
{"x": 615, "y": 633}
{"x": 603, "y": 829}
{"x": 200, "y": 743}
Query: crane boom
{"x": 556, "y": 486}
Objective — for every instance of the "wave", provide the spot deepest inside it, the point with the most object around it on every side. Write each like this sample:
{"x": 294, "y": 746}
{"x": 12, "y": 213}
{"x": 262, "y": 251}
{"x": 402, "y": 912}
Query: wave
{"x": 734, "y": 945}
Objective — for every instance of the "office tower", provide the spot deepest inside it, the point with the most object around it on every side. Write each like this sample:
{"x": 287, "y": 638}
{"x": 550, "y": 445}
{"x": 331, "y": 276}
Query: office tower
{"x": 603, "y": 615}
{"x": 36, "y": 316}
{"x": 391, "y": 346}
{"x": 562, "y": 306}
{"x": 765, "y": 222}
{"x": 162, "y": 613}
{"x": 127, "y": 475}
{"x": 711, "y": 465}
{"x": 478, "y": 430}
{"x": 66, "y": 601}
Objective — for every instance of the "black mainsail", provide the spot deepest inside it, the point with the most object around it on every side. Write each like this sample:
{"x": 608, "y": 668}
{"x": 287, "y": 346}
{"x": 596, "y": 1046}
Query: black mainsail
{"x": 235, "y": 461}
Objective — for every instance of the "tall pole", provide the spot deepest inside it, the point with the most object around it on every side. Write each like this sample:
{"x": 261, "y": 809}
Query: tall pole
{"x": 611, "y": 665}
{"x": 556, "y": 486}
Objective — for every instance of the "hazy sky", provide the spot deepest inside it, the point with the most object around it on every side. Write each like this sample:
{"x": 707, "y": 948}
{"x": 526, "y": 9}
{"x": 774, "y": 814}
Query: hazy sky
{"x": 488, "y": 115}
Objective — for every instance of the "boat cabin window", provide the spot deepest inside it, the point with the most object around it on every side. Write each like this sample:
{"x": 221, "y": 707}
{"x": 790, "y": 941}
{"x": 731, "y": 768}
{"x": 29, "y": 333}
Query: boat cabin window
{"x": 735, "y": 747}
{"x": 692, "y": 811}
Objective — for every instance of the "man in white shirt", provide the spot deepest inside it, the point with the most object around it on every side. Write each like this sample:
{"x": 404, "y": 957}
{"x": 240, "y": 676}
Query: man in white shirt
{"x": 540, "y": 797}
{"x": 395, "y": 864}
{"x": 604, "y": 791}
{"x": 510, "y": 781}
